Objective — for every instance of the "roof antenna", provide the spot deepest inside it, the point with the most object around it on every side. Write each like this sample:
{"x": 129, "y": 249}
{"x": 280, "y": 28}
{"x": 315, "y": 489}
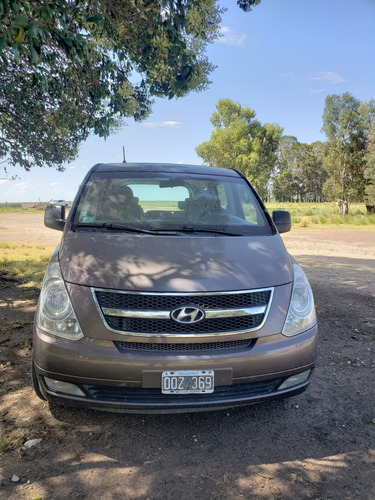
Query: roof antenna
{"x": 123, "y": 152}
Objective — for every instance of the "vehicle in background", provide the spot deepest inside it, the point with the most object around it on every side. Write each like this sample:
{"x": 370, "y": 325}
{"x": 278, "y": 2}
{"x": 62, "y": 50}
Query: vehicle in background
{"x": 63, "y": 203}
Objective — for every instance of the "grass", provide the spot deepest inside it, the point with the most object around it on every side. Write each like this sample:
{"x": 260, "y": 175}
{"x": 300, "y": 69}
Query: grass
{"x": 167, "y": 205}
{"x": 325, "y": 215}
{"x": 26, "y": 262}
{"x": 18, "y": 207}
{"x": 13, "y": 440}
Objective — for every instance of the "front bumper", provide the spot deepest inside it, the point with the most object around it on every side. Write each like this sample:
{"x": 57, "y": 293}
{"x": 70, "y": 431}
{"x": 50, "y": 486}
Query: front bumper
{"x": 131, "y": 382}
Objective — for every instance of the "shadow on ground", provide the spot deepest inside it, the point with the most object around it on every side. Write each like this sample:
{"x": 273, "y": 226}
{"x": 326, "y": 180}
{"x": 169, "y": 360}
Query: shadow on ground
{"x": 319, "y": 444}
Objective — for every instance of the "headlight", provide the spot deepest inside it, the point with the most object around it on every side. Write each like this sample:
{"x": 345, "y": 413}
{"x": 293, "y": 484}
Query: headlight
{"x": 301, "y": 314}
{"x": 55, "y": 312}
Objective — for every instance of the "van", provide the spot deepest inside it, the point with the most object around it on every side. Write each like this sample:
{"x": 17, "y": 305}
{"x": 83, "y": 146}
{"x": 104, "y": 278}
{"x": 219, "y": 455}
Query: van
{"x": 171, "y": 290}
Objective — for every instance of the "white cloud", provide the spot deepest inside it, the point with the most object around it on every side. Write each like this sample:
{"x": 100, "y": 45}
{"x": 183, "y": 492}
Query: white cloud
{"x": 3, "y": 180}
{"x": 162, "y": 124}
{"x": 230, "y": 37}
{"x": 327, "y": 76}
{"x": 22, "y": 186}
{"x": 54, "y": 184}
{"x": 304, "y": 81}
{"x": 316, "y": 91}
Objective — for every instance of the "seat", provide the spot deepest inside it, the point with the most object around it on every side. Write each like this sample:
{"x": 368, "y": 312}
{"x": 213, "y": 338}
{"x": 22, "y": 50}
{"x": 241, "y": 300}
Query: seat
{"x": 121, "y": 205}
{"x": 203, "y": 207}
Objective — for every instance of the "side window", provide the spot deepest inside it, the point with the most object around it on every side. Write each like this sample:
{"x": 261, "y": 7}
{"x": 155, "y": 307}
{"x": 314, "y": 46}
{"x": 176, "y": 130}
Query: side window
{"x": 94, "y": 193}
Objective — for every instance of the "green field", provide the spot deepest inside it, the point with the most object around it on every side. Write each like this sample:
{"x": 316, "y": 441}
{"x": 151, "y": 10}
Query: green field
{"x": 22, "y": 207}
{"x": 27, "y": 262}
{"x": 325, "y": 215}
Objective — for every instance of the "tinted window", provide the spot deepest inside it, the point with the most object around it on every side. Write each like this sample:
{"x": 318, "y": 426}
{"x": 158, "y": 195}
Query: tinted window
{"x": 171, "y": 202}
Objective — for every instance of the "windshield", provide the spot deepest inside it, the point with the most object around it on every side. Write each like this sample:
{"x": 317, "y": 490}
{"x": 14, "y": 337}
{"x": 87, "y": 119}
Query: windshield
{"x": 170, "y": 202}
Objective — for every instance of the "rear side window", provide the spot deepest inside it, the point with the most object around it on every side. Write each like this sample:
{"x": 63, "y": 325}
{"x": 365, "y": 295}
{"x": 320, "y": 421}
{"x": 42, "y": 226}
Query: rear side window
{"x": 171, "y": 201}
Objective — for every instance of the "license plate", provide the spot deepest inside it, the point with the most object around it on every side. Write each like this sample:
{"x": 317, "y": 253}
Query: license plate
{"x": 187, "y": 382}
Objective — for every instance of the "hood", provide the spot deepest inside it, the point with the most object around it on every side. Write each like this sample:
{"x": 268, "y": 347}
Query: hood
{"x": 173, "y": 263}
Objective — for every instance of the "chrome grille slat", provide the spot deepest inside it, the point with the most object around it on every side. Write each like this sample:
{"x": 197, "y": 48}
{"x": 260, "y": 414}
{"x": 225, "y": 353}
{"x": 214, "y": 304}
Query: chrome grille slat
{"x": 210, "y": 314}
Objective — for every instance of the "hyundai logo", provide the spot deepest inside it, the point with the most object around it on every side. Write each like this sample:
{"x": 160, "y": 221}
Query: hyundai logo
{"x": 187, "y": 315}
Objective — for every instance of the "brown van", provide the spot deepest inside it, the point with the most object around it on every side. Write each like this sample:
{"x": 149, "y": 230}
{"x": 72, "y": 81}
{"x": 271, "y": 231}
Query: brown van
{"x": 171, "y": 290}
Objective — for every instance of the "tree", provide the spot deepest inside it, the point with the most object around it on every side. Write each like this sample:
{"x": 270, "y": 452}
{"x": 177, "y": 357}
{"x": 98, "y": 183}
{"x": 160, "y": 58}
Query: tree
{"x": 284, "y": 183}
{"x": 318, "y": 175}
{"x": 346, "y": 123}
{"x": 71, "y": 68}
{"x": 310, "y": 171}
{"x": 369, "y": 173}
{"x": 246, "y": 5}
{"x": 283, "y": 186}
{"x": 240, "y": 141}
{"x": 299, "y": 171}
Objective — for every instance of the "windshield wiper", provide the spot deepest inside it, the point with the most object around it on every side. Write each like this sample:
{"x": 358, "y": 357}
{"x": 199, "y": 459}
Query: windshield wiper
{"x": 174, "y": 231}
{"x": 194, "y": 229}
{"x": 118, "y": 227}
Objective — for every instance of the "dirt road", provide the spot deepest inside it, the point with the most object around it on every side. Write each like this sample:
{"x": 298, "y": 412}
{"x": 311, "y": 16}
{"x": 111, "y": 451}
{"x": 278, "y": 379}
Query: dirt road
{"x": 318, "y": 445}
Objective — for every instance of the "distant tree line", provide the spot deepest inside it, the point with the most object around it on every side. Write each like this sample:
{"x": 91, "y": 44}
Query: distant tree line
{"x": 340, "y": 169}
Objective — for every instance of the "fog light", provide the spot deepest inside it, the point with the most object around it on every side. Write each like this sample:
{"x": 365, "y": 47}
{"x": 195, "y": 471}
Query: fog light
{"x": 295, "y": 380}
{"x": 63, "y": 387}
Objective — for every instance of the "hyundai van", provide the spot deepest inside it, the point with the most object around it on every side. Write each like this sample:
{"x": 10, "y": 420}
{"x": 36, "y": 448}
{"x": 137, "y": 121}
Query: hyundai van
{"x": 171, "y": 290}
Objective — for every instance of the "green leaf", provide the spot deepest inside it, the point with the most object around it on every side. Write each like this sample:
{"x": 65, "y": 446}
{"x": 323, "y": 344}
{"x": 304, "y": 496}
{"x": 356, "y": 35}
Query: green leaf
{"x": 186, "y": 71}
{"x": 3, "y": 43}
{"x": 35, "y": 58}
{"x": 45, "y": 13}
{"x": 14, "y": 6}
{"x": 96, "y": 20}
{"x": 21, "y": 21}
{"x": 68, "y": 41}
{"x": 36, "y": 31}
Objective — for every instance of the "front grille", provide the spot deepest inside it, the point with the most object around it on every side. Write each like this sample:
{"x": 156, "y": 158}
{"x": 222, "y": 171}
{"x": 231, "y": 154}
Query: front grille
{"x": 163, "y": 326}
{"x": 229, "y": 345}
{"x": 160, "y": 302}
{"x": 155, "y": 396}
{"x": 126, "y": 312}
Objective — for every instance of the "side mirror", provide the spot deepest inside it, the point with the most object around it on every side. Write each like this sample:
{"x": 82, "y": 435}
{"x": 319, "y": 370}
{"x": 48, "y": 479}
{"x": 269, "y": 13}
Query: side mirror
{"x": 54, "y": 217}
{"x": 282, "y": 220}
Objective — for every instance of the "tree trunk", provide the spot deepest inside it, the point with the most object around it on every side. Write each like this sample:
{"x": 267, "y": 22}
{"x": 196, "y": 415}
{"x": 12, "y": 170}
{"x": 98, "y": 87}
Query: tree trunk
{"x": 343, "y": 207}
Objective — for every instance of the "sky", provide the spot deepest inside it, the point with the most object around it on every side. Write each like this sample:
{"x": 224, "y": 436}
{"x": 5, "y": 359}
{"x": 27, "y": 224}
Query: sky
{"x": 281, "y": 59}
